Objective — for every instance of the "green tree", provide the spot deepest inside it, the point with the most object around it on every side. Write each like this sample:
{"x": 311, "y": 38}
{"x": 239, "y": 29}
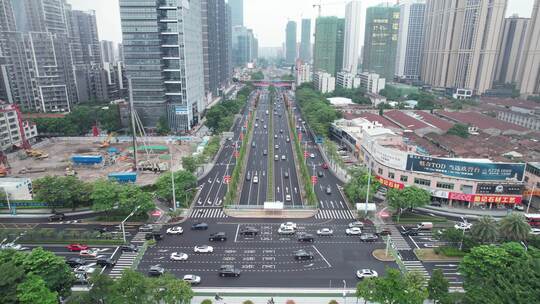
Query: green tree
{"x": 170, "y": 290}
{"x": 415, "y": 197}
{"x": 9, "y": 283}
{"x": 501, "y": 274}
{"x": 162, "y": 127}
{"x": 393, "y": 288}
{"x": 257, "y": 75}
{"x": 105, "y": 195}
{"x": 333, "y": 302}
{"x": 102, "y": 288}
{"x": 189, "y": 163}
{"x": 438, "y": 287}
{"x": 206, "y": 301}
{"x": 514, "y": 227}
{"x": 184, "y": 182}
{"x": 50, "y": 267}
{"x": 356, "y": 188}
{"x": 460, "y": 130}
{"x": 248, "y": 302}
{"x": 485, "y": 230}
{"x": 62, "y": 191}
{"x": 131, "y": 196}
{"x": 396, "y": 201}
{"x": 132, "y": 288}
{"x": 34, "y": 290}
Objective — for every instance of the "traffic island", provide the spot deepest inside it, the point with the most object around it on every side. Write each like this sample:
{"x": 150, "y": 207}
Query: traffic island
{"x": 380, "y": 255}
{"x": 430, "y": 255}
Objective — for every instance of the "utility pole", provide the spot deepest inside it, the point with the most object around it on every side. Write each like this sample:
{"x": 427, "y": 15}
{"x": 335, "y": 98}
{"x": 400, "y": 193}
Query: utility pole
{"x": 367, "y": 192}
{"x": 172, "y": 182}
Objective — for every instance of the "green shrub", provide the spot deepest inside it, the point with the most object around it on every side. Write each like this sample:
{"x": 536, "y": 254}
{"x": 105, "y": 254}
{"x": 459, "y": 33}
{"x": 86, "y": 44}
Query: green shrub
{"x": 248, "y": 302}
{"x": 207, "y": 301}
{"x": 449, "y": 251}
{"x": 333, "y": 302}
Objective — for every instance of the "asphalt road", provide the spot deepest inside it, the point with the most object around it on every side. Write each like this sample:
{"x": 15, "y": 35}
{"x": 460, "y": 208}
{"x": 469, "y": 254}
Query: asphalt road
{"x": 213, "y": 188}
{"x": 266, "y": 260}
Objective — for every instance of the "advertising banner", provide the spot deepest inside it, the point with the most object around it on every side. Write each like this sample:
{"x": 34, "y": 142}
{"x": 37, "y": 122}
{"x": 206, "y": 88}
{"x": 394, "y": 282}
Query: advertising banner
{"x": 390, "y": 183}
{"x": 463, "y": 169}
{"x": 499, "y": 189}
{"x": 478, "y": 199}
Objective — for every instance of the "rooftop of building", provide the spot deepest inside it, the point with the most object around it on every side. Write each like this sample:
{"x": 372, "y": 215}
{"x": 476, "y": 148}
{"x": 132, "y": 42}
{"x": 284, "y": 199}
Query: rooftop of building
{"x": 405, "y": 120}
{"x": 378, "y": 118}
{"x": 433, "y": 120}
{"x": 481, "y": 121}
{"x": 510, "y": 102}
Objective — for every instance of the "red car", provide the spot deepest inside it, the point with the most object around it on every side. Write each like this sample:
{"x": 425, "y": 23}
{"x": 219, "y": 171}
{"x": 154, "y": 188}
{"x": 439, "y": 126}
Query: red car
{"x": 77, "y": 247}
{"x": 325, "y": 166}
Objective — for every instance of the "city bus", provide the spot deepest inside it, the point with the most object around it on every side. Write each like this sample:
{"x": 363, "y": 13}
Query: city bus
{"x": 533, "y": 219}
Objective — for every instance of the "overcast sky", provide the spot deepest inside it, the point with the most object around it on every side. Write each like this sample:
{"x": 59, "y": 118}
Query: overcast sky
{"x": 266, "y": 17}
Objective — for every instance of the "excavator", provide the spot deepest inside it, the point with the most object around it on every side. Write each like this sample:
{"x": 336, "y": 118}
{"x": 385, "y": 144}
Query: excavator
{"x": 107, "y": 142}
{"x": 37, "y": 154}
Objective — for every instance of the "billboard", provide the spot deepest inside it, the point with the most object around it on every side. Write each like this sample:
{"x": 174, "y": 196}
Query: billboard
{"x": 464, "y": 169}
{"x": 499, "y": 189}
{"x": 476, "y": 198}
{"x": 387, "y": 156}
{"x": 181, "y": 110}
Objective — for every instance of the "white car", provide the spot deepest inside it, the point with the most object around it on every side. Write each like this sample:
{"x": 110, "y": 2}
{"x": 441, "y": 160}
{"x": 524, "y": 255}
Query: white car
{"x": 429, "y": 245}
{"x": 192, "y": 279}
{"x": 203, "y": 249}
{"x": 255, "y": 179}
{"x": 353, "y": 231}
{"x": 89, "y": 253}
{"x": 288, "y": 197}
{"x": 288, "y": 225}
{"x": 356, "y": 224}
{"x": 366, "y": 273}
{"x": 463, "y": 226}
{"x": 85, "y": 269}
{"x": 325, "y": 231}
{"x": 179, "y": 256}
{"x": 535, "y": 231}
{"x": 175, "y": 230}
{"x": 312, "y": 155}
{"x": 286, "y": 230}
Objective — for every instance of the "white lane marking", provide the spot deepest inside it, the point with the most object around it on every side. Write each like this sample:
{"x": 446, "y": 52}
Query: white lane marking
{"x": 322, "y": 256}
{"x": 236, "y": 235}
{"x": 414, "y": 242}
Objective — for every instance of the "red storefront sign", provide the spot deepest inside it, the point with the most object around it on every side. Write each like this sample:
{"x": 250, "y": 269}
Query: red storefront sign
{"x": 480, "y": 199}
{"x": 390, "y": 183}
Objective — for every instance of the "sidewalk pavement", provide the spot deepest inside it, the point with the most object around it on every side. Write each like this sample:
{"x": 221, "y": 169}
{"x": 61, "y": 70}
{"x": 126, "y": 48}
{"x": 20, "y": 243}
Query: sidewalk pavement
{"x": 467, "y": 213}
{"x": 48, "y": 213}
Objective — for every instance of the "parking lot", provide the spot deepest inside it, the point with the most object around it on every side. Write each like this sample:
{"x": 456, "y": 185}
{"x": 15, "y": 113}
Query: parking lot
{"x": 267, "y": 259}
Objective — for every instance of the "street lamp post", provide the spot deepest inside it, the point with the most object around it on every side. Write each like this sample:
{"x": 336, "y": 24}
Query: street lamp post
{"x": 172, "y": 183}
{"x": 7, "y": 199}
{"x": 344, "y": 292}
{"x": 530, "y": 197}
{"x": 367, "y": 192}
{"x": 122, "y": 224}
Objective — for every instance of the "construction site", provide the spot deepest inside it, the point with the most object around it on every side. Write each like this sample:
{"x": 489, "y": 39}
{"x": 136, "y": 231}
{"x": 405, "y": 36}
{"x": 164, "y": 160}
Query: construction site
{"x": 91, "y": 158}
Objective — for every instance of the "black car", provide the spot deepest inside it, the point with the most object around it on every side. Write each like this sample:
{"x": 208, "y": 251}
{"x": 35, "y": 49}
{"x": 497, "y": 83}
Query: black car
{"x": 153, "y": 235}
{"x": 156, "y": 270}
{"x": 303, "y": 255}
{"x": 101, "y": 229}
{"x": 320, "y": 173}
{"x": 105, "y": 262}
{"x": 228, "y": 271}
{"x": 411, "y": 232}
{"x": 218, "y": 236}
{"x": 249, "y": 231}
{"x": 368, "y": 237}
{"x": 57, "y": 217}
{"x": 76, "y": 262}
{"x": 129, "y": 248}
{"x": 384, "y": 232}
{"x": 305, "y": 237}
{"x": 199, "y": 226}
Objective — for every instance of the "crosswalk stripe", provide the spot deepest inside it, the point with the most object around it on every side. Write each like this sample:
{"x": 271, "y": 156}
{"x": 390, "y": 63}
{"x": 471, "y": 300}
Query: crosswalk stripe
{"x": 208, "y": 213}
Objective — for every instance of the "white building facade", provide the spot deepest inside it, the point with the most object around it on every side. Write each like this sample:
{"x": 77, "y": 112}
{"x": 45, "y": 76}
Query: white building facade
{"x": 353, "y": 25}
{"x": 371, "y": 82}
{"x": 324, "y": 82}
{"x": 347, "y": 80}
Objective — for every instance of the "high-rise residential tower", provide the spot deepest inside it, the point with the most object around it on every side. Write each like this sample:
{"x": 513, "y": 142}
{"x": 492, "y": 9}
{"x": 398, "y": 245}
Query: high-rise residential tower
{"x": 410, "y": 40}
{"x": 380, "y": 40}
{"x": 237, "y": 12}
{"x": 530, "y": 75}
{"x": 511, "y": 49}
{"x": 162, "y": 43}
{"x": 216, "y": 32}
{"x": 107, "y": 51}
{"x": 244, "y": 46}
{"x": 328, "y": 48}
{"x": 37, "y": 55}
{"x": 353, "y": 25}
{"x": 290, "y": 43}
{"x": 305, "y": 41}
{"x": 461, "y": 44}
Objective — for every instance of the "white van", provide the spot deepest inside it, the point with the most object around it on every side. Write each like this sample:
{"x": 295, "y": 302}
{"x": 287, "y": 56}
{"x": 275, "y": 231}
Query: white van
{"x": 425, "y": 226}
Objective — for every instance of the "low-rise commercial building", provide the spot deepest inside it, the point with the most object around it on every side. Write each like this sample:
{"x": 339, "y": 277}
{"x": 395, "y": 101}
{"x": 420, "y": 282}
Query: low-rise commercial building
{"x": 347, "y": 80}
{"x": 324, "y": 82}
{"x": 372, "y": 82}
{"x": 303, "y": 73}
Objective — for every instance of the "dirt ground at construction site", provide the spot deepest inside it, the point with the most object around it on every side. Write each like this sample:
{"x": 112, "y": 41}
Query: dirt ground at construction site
{"x": 117, "y": 157}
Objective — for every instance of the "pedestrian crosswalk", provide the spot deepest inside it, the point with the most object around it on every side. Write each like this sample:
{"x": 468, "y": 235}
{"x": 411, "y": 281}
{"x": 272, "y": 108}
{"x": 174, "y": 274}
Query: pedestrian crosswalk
{"x": 416, "y": 266}
{"x": 139, "y": 237}
{"x": 207, "y": 213}
{"x": 399, "y": 242}
{"x": 335, "y": 214}
{"x": 125, "y": 261}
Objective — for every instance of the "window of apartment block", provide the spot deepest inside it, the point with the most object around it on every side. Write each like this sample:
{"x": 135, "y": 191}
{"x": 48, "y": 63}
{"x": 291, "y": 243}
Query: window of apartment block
{"x": 443, "y": 185}
{"x": 391, "y": 175}
{"x": 423, "y": 182}
{"x": 466, "y": 189}
{"x": 404, "y": 178}
{"x": 380, "y": 171}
